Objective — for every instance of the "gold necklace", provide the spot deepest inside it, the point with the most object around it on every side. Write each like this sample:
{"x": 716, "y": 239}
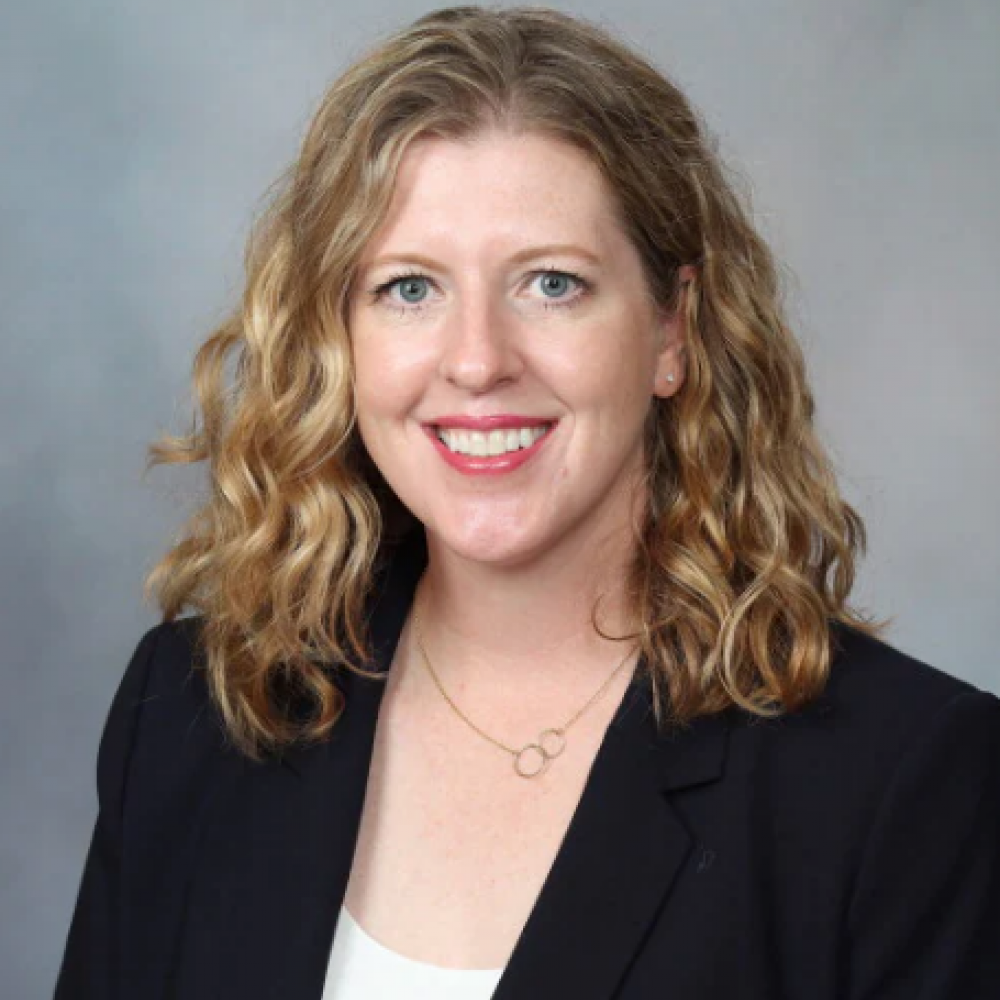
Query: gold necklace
{"x": 543, "y": 754}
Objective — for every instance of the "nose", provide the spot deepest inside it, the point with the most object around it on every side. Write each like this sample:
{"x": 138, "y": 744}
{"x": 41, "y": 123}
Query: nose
{"x": 478, "y": 346}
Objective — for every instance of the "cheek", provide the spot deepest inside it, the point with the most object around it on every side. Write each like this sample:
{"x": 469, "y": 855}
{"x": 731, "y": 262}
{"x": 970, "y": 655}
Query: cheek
{"x": 369, "y": 357}
{"x": 610, "y": 392}
{"x": 606, "y": 373}
{"x": 387, "y": 379}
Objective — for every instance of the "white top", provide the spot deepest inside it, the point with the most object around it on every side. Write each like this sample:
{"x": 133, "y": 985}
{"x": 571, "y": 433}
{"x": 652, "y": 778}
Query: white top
{"x": 360, "y": 968}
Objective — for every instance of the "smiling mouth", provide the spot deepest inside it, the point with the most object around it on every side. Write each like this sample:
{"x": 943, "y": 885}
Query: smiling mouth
{"x": 488, "y": 444}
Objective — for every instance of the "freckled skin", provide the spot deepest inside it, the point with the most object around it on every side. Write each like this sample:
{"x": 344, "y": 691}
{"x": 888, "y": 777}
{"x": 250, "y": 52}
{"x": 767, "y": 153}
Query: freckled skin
{"x": 478, "y": 333}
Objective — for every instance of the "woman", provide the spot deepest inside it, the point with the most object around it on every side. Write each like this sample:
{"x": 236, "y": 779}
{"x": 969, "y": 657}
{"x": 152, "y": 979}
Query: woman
{"x": 522, "y": 663}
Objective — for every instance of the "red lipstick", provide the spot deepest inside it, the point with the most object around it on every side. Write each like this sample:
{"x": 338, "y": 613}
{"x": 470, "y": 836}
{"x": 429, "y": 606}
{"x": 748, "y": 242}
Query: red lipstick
{"x": 488, "y": 464}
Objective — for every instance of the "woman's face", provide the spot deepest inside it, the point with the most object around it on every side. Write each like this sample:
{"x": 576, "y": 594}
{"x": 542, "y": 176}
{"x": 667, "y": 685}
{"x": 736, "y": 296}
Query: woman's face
{"x": 507, "y": 295}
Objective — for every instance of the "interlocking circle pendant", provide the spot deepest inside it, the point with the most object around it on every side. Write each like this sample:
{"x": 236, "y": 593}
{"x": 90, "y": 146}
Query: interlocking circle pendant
{"x": 542, "y": 754}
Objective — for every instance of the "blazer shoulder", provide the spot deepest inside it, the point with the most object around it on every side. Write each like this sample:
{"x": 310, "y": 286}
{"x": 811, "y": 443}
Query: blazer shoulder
{"x": 870, "y": 677}
{"x": 826, "y": 769}
{"x": 176, "y": 668}
{"x": 878, "y": 703}
{"x": 174, "y": 716}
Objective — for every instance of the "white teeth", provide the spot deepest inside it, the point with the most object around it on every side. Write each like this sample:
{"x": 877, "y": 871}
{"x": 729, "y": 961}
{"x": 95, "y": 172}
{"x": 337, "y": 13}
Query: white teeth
{"x": 492, "y": 443}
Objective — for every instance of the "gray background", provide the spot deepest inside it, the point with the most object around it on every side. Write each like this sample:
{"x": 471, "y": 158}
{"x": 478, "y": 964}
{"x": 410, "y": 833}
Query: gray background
{"x": 137, "y": 141}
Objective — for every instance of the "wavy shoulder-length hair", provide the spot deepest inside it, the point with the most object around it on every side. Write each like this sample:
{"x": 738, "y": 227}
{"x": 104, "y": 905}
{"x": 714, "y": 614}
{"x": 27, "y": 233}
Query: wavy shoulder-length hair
{"x": 746, "y": 551}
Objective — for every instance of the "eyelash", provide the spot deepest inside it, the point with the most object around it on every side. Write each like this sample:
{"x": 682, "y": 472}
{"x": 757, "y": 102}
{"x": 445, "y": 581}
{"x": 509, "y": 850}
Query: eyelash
{"x": 380, "y": 291}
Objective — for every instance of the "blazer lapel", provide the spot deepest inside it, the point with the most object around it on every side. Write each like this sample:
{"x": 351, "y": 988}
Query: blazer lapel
{"x": 619, "y": 859}
{"x": 277, "y": 857}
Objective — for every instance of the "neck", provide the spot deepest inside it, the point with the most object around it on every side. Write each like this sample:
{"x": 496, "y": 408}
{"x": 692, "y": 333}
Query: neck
{"x": 496, "y": 632}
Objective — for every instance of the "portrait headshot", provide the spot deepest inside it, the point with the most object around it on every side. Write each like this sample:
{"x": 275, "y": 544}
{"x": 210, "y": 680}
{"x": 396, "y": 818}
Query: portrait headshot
{"x": 508, "y": 634}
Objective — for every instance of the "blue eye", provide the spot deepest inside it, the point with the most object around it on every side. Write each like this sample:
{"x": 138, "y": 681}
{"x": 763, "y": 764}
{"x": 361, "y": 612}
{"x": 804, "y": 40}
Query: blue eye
{"x": 562, "y": 281}
{"x": 406, "y": 286}
{"x": 409, "y": 284}
{"x": 556, "y": 278}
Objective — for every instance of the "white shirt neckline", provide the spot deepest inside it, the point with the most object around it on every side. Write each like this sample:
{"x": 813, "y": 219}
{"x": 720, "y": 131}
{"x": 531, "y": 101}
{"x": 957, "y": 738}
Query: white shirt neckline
{"x": 375, "y": 945}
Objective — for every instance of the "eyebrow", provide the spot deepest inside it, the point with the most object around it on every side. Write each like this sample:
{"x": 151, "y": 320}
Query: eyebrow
{"x": 531, "y": 253}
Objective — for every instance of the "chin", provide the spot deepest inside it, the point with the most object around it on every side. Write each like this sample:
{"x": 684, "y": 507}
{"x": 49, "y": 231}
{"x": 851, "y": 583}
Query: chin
{"x": 494, "y": 547}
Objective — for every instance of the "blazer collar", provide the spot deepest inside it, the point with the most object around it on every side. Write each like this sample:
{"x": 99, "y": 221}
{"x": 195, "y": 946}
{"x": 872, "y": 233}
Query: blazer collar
{"x": 278, "y": 851}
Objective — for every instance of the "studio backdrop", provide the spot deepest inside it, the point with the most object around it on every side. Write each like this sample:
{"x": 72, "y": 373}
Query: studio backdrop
{"x": 139, "y": 140}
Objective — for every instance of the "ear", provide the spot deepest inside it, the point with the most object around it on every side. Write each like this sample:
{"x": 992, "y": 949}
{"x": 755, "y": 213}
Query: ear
{"x": 673, "y": 342}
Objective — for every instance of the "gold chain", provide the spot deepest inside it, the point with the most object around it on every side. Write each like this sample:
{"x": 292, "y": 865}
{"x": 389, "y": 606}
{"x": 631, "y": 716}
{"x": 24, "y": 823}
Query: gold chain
{"x": 539, "y": 747}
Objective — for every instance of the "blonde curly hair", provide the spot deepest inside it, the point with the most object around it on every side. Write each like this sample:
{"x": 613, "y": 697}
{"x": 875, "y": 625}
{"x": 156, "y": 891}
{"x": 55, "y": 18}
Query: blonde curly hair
{"x": 747, "y": 550}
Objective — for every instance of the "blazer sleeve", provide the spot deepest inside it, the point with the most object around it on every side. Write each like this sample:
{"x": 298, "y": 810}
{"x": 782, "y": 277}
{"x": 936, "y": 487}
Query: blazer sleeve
{"x": 924, "y": 918}
{"x": 90, "y": 959}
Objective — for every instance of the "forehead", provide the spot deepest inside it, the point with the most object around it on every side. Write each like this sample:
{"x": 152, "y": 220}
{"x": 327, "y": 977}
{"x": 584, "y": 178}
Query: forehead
{"x": 496, "y": 193}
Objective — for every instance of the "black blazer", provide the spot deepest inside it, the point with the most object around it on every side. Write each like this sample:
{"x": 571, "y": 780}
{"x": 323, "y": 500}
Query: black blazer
{"x": 849, "y": 851}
